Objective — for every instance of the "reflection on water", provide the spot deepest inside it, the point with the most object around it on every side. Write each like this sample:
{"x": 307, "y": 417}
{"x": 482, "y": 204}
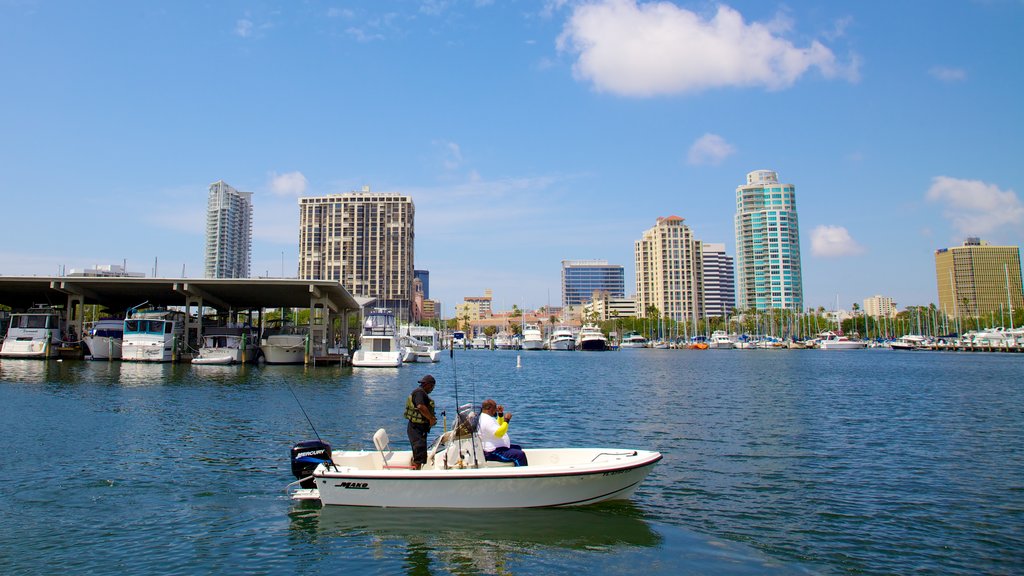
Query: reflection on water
{"x": 144, "y": 373}
{"x": 26, "y": 370}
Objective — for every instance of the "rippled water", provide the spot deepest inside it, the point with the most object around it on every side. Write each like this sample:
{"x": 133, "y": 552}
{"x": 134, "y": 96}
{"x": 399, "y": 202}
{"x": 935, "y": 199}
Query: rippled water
{"x": 775, "y": 461}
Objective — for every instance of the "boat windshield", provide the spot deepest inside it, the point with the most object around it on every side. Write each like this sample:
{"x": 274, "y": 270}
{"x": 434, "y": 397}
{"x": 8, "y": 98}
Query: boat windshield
{"x": 147, "y": 326}
{"x": 33, "y": 321}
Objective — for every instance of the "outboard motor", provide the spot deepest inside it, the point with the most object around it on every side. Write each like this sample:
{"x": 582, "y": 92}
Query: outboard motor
{"x": 305, "y": 458}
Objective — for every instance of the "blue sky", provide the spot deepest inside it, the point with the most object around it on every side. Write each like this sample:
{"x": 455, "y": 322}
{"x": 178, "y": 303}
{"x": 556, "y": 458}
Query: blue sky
{"x": 526, "y": 132}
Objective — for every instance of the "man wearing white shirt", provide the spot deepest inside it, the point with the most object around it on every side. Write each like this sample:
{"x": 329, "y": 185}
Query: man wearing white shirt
{"x": 498, "y": 447}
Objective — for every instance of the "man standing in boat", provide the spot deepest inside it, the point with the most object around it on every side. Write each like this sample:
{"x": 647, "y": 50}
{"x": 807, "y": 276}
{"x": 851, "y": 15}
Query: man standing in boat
{"x": 419, "y": 411}
{"x": 498, "y": 446}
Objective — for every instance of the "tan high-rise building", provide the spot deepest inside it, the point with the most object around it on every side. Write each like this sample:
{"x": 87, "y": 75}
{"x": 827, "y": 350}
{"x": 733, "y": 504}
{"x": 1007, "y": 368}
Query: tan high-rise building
{"x": 669, "y": 271}
{"x": 978, "y": 279}
{"x": 879, "y": 306}
{"x": 362, "y": 239}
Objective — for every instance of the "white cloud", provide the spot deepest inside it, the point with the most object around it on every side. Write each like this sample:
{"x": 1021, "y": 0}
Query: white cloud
{"x": 945, "y": 74}
{"x": 654, "y": 48}
{"x": 451, "y": 154}
{"x": 833, "y": 242}
{"x": 288, "y": 184}
{"x": 243, "y": 28}
{"x": 710, "y": 149}
{"x": 974, "y": 207}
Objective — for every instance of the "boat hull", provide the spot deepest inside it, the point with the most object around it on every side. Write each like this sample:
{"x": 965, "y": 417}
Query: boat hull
{"x": 28, "y": 348}
{"x": 567, "y": 344}
{"x": 369, "y": 359}
{"x": 842, "y": 345}
{"x": 615, "y": 475}
{"x": 594, "y": 344}
{"x": 533, "y": 345}
{"x": 103, "y": 347}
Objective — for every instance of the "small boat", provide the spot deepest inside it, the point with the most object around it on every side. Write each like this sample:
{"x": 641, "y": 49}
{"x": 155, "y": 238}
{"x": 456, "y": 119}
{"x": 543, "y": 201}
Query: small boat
{"x": 419, "y": 344}
{"x": 503, "y": 341}
{"x": 908, "y": 342}
{"x": 284, "y": 343}
{"x": 720, "y": 340}
{"x": 152, "y": 335}
{"x": 103, "y": 339}
{"x": 459, "y": 340}
{"x": 633, "y": 340}
{"x": 379, "y": 346}
{"x": 698, "y": 343}
{"x": 36, "y": 333}
{"x": 457, "y": 476}
{"x": 227, "y": 345}
{"x": 562, "y": 338}
{"x": 837, "y": 341}
{"x": 479, "y": 342}
{"x": 591, "y": 338}
{"x": 533, "y": 339}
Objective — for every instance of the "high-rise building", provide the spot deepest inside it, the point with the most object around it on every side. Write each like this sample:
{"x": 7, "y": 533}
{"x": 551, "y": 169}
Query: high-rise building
{"x": 424, "y": 277}
{"x": 581, "y": 278}
{"x": 362, "y": 239}
{"x": 482, "y": 303}
{"x": 768, "y": 271}
{"x": 879, "y": 306}
{"x": 669, "y": 271}
{"x": 978, "y": 279}
{"x": 719, "y": 281}
{"x": 228, "y": 232}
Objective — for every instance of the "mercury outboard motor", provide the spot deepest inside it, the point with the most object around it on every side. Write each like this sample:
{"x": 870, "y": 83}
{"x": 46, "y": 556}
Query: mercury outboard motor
{"x": 305, "y": 458}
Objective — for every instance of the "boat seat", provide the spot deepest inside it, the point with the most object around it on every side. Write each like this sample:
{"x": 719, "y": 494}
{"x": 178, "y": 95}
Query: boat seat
{"x": 382, "y": 444}
{"x": 496, "y": 464}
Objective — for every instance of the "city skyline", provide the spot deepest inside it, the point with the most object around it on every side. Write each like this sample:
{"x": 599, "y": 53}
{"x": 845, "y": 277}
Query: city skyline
{"x": 525, "y": 133}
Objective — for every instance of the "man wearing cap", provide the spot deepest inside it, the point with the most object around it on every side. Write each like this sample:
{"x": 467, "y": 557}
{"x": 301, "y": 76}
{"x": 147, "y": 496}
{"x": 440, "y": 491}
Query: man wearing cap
{"x": 419, "y": 411}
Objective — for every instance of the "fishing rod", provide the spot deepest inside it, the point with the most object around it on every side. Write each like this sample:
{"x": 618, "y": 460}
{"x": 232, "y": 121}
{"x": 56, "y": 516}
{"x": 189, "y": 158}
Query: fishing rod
{"x": 303, "y": 411}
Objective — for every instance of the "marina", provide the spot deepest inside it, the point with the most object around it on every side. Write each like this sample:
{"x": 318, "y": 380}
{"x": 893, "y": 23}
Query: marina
{"x": 866, "y": 461}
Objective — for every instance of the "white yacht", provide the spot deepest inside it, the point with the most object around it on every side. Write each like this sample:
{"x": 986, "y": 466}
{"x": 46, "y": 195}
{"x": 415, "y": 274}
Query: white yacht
{"x": 591, "y": 338}
{"x": 533, "y": 339}
{"x": 479, "y": 342}
{"x": 832, "y": 341}
{"x": 562, "y": 338}
{"x": 103, "y": 339}
{"x": 152, "y": 335}
{"x": 228, "y": 345}
{"x": 633, "y": 340}
{"x": 459, "y": 340}
{"x": 37, "y": 333}
{"x": 721, "y": 340}
{"x": 284, "y": 343}
{"x": 908, "y": 342}
{"x": 503, "y": 341}
{"x": 420, "y": 344}
{"x": 379, "y": 346}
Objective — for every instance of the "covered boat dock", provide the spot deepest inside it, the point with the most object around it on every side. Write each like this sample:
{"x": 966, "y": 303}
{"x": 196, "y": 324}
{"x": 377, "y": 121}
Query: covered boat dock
{"x": 326, "y": 300}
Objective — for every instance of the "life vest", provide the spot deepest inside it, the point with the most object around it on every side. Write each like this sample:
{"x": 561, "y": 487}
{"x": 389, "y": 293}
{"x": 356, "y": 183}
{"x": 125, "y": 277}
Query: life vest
{"x": 413, "y": 415}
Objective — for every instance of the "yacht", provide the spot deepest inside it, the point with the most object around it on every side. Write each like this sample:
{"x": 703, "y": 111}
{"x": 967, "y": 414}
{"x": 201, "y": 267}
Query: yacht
{"x": 37, "y": 333}
{"x": 591, "y": 338}
{"x": 152, "y": 335}
{"x": 479, "y": 342}
{"x": 533, "y": 339}
{"x": 103, "y": 339}
{"x": 283, "y": 342}
{"x": 720, "y": 340}
{"x": 503, "y": 341}
{"x": 908, "y": 342}
{"x": 228, "y": 345}
{"x": 459, "y": 340}
{"x": 379, "y": 346}
{"x": 420, "y": 344}
{"x": 832, "y": 341}
{"x": 633, "y": 340}
{"x": 562, "y": 338}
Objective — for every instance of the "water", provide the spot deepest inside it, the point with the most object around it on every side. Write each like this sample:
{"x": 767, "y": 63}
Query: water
{"x": 867, "y": 462}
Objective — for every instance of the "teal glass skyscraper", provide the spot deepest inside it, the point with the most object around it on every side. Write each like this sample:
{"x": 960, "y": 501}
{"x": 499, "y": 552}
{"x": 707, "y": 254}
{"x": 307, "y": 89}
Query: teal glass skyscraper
{"x": 767, "y": 244}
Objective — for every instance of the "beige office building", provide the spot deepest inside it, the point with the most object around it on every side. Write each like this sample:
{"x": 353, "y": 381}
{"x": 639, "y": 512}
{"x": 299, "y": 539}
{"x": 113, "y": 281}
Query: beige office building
{"x": 669, "y": 271}
{"x": 362, "y": 239}
{"x": 879, "y": 306}
{"x": 978, "y": 279}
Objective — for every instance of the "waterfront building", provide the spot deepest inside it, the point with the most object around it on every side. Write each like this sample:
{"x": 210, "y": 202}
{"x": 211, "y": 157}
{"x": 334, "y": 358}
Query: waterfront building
{"x": 580, "y": 278}
{"x": 604, "y": 307}
{"x": 228, "y": 232}
{"x": 470, "y": 311}
{"x": 768, "y": 271}
{"x": 105, "y": 271}
{"x": 431, "y": 309}
{"x": 879, "y": 306}
{"x": 363, "y": 240}
{"x": 978, "y": 279}
{"x": 719, "y": 280}
{"x": 482, "y": 303}
{"x": 669, "y": 271}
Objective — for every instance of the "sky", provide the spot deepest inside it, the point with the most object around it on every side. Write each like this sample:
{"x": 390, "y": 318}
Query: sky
{"x": 526, "y": 132}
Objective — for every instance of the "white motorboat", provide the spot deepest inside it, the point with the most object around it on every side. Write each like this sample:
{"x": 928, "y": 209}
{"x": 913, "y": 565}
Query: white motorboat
{"x": 908, "y": 342}
{"x": 37, "y": 333}
{"x": 503, "y": 341}
{"x": 379, "y": 346}
{"x": 284, "y": 343}
{"x": 459, "y": 340}
{"x": 533, "y": 338}
{"x": 591, "y": 338}
{"x": 227, "y": 345}
{"x": 721, "y": 340}
{"x": 633, "y": 340}
{"x": 479, "y": 342}
{"x": 832, "y": 341}
{"x": 103, "y": 339}
{"x": 419, "y": 344}
{"x": 457, "y": 476}
{"x": 562, "y": 338}
{"x": 152, "y": 335}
